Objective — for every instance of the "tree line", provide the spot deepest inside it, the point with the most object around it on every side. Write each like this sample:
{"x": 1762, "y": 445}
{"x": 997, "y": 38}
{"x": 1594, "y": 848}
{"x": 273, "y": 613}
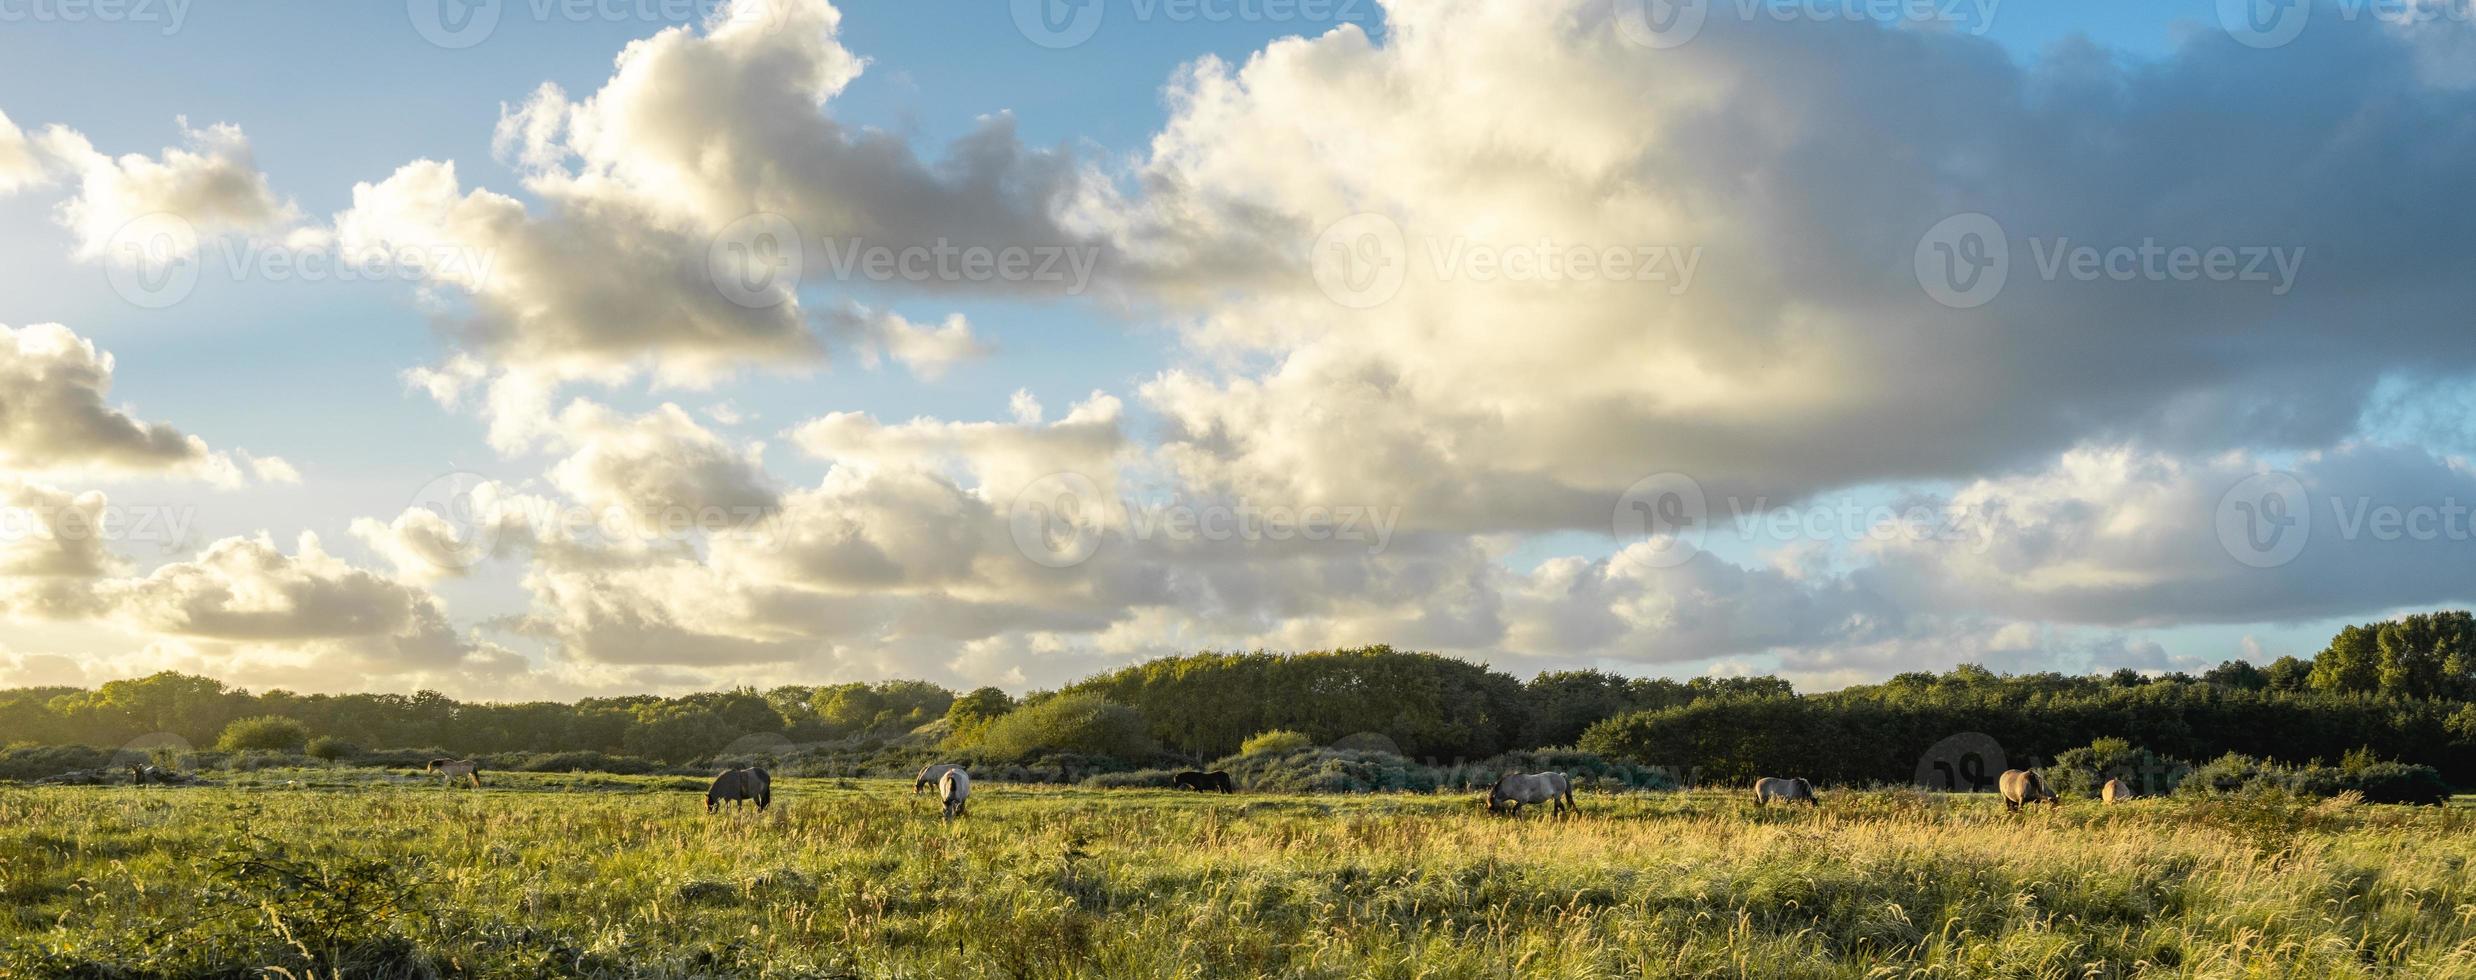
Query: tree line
{"x": 2400, "y": 690}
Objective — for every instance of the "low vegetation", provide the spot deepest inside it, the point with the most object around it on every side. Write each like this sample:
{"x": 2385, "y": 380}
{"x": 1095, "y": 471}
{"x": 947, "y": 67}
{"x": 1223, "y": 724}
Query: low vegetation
{"x": 361, "y": 873}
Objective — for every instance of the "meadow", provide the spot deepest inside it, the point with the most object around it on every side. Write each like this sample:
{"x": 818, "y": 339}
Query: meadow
{"x": 361, "y": 873}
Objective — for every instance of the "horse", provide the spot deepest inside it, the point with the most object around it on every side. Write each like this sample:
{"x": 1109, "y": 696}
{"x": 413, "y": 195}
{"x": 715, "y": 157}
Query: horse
{"x": 1795, "y": 790}
{"x": 739, "y": 786}
{"x": 1516, "y": 791}
{"x": 449, "y": 769}
{"x": 2022, "y": 787}
{"x": 954, "y": 789}
{"x": 1204, "y": 782}
{"x": 2115, "y": 791}
{"x": 930, "y": 776}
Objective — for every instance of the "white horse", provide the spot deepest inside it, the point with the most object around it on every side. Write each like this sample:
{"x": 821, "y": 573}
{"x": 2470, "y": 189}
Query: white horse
{"x": 930, "y": 776}
{"x": 955, "y": 789}
{"x": 1515, "y": 791}
{"x": 449, "y": 769}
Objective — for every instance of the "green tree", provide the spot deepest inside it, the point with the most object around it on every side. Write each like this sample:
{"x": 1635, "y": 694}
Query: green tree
{"x": 1086, "y": 724}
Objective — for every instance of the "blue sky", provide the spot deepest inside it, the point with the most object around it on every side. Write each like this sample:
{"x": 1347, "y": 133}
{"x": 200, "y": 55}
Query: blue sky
{"x": 315, "y": 373}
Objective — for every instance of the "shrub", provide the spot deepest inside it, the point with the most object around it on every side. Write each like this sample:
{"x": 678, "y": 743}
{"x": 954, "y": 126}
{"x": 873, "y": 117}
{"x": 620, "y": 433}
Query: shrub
{"x": 267, "y": 732}
{"x": 2235, "y": 774}
{"x": 27, "y": 762}
{"x": 1279, "y": 741}
{"x": 332, "y": 749}
{"x": 2084, "y": 771}
{"x": 1086, "y": 724}
{"x": 1135, "y": 779}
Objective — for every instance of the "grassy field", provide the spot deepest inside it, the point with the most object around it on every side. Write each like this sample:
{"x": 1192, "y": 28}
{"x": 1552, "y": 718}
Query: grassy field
{"x": 358, "y": 874}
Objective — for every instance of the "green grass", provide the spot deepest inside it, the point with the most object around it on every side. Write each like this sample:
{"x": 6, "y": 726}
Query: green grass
{"x": 361, "y": 874}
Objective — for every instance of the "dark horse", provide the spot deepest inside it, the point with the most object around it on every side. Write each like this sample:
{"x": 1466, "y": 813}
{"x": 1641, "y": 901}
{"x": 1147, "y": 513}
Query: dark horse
{"x": 1204, "y": 782}
{"x": 739, "y": 786}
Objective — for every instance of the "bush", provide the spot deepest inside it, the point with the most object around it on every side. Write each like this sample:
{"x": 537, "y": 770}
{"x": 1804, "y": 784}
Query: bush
{"x": 266, "y": 732}
{"x": 28, "y": 762}
{"x": 2235, "y": 774}
{"x": 332, "y": 749}
{"x": 1279, "y": 741}
{"x": 2084, "y": 771}
{"x": 1086, "y": 724}
{"x": 625, "y": 765}
{"x": 1135, "y": 779}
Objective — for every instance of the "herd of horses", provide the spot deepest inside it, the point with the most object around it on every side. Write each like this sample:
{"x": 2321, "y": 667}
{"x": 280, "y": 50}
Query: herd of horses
{"x": 739, "y": 787}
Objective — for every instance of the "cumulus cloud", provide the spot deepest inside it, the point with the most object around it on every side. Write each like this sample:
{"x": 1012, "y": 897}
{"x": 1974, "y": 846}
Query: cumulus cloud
{"x": 19, "y": 167}
{"x": 211, "y": 182}
{"x": 1763, "y": 327}
{"x": 661, "y": 468}
{"x": 924, "y": 349}
{"x": 54, "y": 414}
{"x": 687, "y": 198}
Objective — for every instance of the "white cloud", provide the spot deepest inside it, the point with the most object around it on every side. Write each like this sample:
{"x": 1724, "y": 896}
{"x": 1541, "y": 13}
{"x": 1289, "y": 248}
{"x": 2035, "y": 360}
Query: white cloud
{"x": 212, "y": 183}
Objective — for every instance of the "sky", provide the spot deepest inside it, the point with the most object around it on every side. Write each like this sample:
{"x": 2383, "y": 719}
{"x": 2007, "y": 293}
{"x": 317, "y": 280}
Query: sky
{"x": 545, "y": 348}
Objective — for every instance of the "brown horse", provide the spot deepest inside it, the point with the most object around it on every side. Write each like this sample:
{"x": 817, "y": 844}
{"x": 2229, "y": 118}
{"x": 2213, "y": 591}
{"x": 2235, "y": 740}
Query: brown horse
{"x": 2022, "y": 787}
{"x": 740, "y": 786}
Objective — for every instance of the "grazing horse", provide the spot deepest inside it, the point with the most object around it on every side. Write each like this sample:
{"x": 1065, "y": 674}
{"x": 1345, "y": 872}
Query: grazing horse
{"x": 1515, "y": 791}
{"x": 739, "y": 786}
{"x": 449, "y": 769}
{"x": 2115, "y": 791}
{"x": 930, "y": 776}
{"x": 1204, "y": 782}
{"x": 2022, "y": 787}
{"x": 1795, "y": 790}
{"x": 954, "y": 789}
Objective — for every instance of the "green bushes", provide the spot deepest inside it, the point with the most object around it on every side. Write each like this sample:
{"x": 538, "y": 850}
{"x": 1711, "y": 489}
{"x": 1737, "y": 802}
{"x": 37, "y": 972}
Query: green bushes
{"x": 1087, "y": 724}
{"x": 271, "y": 733}
{"x": 2235, "y": 774}
{"x": 332, "y": 749}
{"x": 1279, "y": 741}
{"x": 2084, "y": 771}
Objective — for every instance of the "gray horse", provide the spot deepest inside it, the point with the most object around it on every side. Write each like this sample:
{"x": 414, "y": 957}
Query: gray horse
{"x": 740, "y": 786}
{"x": 954, "y": 788}
{"x": 2022, "y": 787}
{"x": 1796, "y": 790}
{"x": 1515, "y": 791}
{"x": 929, "y": 777}
{"x": 449, "y": 769}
